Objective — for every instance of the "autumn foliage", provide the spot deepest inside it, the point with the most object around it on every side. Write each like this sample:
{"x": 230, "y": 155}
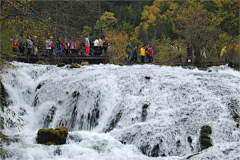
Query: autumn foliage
{"x": 212, "y": 24}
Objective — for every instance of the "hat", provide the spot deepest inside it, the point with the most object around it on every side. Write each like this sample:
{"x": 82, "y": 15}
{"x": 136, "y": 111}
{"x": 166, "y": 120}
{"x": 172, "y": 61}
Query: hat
{"x": 51, "y": 36}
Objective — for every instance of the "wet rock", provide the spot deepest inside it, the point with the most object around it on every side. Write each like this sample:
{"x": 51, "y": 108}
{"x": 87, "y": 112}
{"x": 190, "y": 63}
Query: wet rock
{"x": 114, "y": 122}
{"x": 39, "y": 86}
{"x": 49, "y": 117}
{"x": 120, "y": 64}
{"x": 205, "y": 140}
{"x": 85, "y": 63}
{"x": 61, "y": 64}
{"x": 147, "y": 77}
{"x": 74, "y": 65}
{"x": 52, "y": 136}
{"x": 144, "y": 112}
{"x": 145, "y": 148}
{"x": 155, "y": 151}
{"x": 189, "y": 139}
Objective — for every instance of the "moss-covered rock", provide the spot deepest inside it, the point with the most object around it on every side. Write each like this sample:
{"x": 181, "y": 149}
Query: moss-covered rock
{"x": 189, "y": 139}
{"x": 85, "y": 63}
{"x": 39, "y": 86}
{"x": 63, "y": 131}
{"x": 206, "y": 129}
{"x": 114, "y": 122}
{"x": 41, "y": 62}
{"x": 144, "y": 112}
{"x": 120, "y": 64}
{"x": 61, "y": 64}
{"x": 74, "y": 65}
{"x": 147, "y": 77}
{"x": 205, "y": 140}
{"x": 52, "y": 136}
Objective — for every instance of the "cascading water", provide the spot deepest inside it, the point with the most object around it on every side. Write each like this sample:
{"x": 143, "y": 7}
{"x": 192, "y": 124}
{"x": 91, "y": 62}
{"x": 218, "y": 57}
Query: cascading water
{"x": 128, "y": 112}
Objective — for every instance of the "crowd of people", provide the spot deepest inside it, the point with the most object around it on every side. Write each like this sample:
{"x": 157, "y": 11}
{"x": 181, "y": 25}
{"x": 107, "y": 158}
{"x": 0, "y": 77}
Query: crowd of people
{"x": 190, "y": 54}
{"x": 144, "y": 52}
{"x": 88, "y": 47}
{"x": 175, "y": 54}
{"x": 62, "y": 46}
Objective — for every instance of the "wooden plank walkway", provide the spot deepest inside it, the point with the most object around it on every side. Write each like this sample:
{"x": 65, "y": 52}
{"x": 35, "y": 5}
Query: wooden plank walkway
{"x": 62, "y": 59}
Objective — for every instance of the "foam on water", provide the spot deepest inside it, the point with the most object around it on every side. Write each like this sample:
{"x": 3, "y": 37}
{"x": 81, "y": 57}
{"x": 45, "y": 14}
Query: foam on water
{"x": 95, "y": 99}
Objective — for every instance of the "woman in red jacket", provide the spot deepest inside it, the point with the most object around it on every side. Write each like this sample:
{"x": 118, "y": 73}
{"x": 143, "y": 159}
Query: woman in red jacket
{"x": 150, "y": 55}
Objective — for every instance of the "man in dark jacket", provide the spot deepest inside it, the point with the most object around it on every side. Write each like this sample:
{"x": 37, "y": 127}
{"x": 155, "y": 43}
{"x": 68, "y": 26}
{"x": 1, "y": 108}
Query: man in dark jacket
{"x": 21, "y": 46}
{"x": 134, "y": 57}
{"x": 189, "y": 58}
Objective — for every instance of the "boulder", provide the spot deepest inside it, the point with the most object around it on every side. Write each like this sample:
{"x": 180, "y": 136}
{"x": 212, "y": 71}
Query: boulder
{"x": 52, "y": 136}
{"x": 86, "y": 63}
{"x": 74, "y": 65}
{"x": 205, "y": 140}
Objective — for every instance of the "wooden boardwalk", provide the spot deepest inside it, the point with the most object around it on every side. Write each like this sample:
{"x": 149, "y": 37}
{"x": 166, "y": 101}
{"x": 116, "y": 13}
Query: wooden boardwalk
{"x": 62, "y": 59}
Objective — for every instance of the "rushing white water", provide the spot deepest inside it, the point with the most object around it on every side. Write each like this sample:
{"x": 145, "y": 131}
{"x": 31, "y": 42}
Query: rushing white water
{"x": 102, "y": 105}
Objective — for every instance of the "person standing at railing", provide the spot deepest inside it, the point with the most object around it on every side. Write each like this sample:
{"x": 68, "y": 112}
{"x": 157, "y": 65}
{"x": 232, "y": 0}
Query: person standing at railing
{"x": 150, "y": 54}
{"x": 21, "y": 46}
{"x": 29, "y": 44}
{"x": 178, "y": 53}
{"x": 204, "y": 56}
{"x": 142, "y": 54}
{"x": 223, "y": 53}
{"x": 87, "y": 45}
{"x": 48, "y": 47}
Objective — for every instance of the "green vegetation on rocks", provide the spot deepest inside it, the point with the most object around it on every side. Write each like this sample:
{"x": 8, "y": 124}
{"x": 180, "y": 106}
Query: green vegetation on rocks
{"x": 74, "y": 65}
{"x": 205, "y": 140}
{"x": 61, "y": 64}
{"x": 52, "y": 136}
{"x": 41, "y": 62}
{"x": 39, "y": 86}
{"x": 120, "y": 64}
{"x": 86, "y": 63}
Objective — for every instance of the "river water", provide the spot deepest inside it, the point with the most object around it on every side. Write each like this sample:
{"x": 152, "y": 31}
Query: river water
{"x": 124, "y": 112}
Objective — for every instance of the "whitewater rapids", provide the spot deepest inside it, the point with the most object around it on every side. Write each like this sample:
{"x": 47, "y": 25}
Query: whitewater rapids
{"x": 102, "y": 105}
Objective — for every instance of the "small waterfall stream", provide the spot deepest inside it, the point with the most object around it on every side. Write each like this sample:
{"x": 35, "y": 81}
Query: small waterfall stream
{"x": 124, "y": 112}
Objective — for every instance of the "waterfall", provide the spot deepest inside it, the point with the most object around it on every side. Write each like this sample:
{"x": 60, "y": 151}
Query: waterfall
{"x": 124, "y": 112}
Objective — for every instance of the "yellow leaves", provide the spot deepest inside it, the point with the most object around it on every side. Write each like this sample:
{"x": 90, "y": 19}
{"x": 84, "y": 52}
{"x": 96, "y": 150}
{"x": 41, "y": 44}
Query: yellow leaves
{"x": 173, "y": 6}
{"x": 107, "y": 21}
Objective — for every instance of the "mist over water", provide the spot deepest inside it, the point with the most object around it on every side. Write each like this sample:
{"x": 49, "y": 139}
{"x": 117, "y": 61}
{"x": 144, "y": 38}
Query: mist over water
{"x": 124, "y": 112}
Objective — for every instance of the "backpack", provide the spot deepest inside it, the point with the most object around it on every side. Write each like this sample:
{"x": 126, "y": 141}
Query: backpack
{"x": 131, "y": 53}
{"x": 34, "y": 42}
{"x": 49, "y": 44}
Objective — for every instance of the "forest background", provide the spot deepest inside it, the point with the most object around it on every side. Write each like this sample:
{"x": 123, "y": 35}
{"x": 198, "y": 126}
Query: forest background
{"x": 212, "y": 24}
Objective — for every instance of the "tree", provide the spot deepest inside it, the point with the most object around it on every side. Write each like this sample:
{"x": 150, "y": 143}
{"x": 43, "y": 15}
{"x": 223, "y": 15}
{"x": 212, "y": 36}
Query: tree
{"x": 197, "y": 26}
{"x": 108, "y": 22}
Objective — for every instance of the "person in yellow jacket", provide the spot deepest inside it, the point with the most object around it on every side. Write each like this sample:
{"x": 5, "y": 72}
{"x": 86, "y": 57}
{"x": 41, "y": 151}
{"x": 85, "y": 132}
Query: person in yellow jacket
{"x": 142, "y": 54}
{"x": 223, "y": 53}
